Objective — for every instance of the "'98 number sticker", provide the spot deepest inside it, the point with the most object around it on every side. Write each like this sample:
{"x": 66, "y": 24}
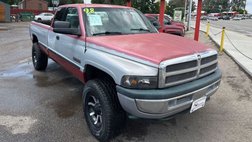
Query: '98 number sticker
{"x": 89, "y": 10}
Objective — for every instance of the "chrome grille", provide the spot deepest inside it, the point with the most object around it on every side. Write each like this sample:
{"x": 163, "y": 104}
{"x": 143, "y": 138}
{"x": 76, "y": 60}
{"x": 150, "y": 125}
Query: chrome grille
{"x": 180, "y": 77}
{"x": 187, "y": 68}
{"x": 181, "y": 66}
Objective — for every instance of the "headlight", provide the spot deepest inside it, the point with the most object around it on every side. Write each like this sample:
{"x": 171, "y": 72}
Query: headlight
{"x": 139, "y": 82}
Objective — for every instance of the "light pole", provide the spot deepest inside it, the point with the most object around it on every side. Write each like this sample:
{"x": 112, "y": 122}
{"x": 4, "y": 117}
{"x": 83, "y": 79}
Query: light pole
{"x": 189, "y": 16}
{"x": 185, "y": 11}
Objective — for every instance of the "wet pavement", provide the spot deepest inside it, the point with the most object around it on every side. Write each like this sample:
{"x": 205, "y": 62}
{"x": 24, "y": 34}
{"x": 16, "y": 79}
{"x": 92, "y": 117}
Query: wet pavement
{"x": 47, "y": 106}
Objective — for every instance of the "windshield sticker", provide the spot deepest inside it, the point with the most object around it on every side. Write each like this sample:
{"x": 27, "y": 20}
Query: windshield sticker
{"x": 94, "y": 20}
{"x": 89, "y": 10}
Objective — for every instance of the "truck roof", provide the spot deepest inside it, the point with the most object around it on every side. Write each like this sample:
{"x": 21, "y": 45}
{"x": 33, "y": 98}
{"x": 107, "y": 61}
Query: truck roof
{"x": 94, "y": 5}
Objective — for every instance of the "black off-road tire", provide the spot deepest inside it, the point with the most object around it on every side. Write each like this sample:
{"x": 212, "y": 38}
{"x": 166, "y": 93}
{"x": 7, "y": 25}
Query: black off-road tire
{"x": 39, "y": 58}
{"x": 108, "y": 107}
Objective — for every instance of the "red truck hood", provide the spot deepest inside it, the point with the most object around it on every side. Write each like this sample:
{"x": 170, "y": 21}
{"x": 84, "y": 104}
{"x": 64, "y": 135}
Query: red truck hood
{"x": 178, "y": 24}
{"x": 153, "y": 47}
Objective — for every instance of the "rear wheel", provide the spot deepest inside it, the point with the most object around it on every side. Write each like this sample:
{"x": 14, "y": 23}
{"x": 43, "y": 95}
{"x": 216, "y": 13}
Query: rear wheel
{"x": 102, "y": 111}
{"x": 39, "y": 58}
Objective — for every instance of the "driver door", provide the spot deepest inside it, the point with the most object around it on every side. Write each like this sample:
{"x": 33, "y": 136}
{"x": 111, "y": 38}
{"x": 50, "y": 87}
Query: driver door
{"x": 67, "y": 46}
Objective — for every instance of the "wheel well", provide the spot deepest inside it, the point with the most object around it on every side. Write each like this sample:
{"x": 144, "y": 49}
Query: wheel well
{"x": 34, "y": 39}
{"x": 92, "y": 72}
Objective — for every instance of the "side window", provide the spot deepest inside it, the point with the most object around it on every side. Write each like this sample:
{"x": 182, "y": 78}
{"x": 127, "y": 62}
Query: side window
{"x": 70, "y": 15}
{"x": 60, "y": 15}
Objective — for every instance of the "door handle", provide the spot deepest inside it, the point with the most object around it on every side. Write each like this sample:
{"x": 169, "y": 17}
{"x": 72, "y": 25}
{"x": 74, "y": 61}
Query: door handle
{"x": 57, "y": 37}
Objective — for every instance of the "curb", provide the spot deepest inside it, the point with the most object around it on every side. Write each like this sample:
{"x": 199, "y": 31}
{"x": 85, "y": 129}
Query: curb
{"x": 234, "y": 59}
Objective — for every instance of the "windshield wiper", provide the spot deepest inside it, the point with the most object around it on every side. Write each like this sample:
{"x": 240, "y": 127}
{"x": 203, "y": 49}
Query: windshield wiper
{"x": 107, "y": 33}
{"x": 140, "y": 29}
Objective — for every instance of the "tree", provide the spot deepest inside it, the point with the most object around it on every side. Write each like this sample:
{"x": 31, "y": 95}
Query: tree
{"x": 215, "y": 6}
{"x": 11, "y": 2}
{"x": 175, "y": 4}
{"x": 146, "y": 6}
{"x": 117, "y": 2}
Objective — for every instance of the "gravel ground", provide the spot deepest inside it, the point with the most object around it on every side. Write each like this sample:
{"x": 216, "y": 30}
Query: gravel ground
{"x": 46, "y": 106}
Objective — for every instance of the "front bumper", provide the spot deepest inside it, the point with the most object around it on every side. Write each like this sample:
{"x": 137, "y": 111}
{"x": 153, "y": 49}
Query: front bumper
{"x": 162, "y": 103}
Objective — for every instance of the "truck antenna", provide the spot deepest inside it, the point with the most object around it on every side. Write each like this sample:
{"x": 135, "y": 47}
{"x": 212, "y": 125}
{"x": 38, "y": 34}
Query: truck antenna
{"x": 85, "y": 26}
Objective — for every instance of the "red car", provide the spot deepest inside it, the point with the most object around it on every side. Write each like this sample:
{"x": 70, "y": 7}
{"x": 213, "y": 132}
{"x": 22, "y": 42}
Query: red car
{"x": 171, "y": 29}
{"x": 168, "y": 20}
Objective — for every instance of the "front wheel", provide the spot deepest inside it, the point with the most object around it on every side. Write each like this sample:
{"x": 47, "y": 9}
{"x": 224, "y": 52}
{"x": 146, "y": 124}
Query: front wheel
{"x": 102, "y": 111}
{"x": 39, "y": 58}
{"x": 39, "y": 20}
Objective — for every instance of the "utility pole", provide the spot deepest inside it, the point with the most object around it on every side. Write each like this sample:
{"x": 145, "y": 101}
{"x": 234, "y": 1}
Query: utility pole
{"x": 189, "y": 16}
{"x": 185, "y": 11}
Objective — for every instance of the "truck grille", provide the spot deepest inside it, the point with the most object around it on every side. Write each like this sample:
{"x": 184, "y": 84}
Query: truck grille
{"x": 188, "y": 68}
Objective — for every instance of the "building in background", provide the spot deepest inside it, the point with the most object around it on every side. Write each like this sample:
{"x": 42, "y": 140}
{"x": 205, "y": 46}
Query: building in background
{"x": 33, "y": 5}
{"x": 4, "y": 12}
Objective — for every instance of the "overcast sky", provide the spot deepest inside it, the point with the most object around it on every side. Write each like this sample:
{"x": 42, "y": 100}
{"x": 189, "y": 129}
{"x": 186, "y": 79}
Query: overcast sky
{"x": 249, "y": 6}
{"x": 87, "y": 1}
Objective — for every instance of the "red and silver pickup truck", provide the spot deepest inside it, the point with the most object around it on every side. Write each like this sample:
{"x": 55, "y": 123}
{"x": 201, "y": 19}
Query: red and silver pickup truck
{"x": 125, "y": 64}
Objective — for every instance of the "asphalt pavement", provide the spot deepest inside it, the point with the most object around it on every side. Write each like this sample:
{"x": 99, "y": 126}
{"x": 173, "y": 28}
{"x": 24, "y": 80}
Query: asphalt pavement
{"x": 47, "y": 106}
{"x": 240, "y": 26}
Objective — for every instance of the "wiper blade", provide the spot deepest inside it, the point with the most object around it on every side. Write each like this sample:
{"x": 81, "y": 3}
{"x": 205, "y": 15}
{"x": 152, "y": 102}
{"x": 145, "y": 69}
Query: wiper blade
{"x": 107, "y": 33}
{"x": 140, "y": 29}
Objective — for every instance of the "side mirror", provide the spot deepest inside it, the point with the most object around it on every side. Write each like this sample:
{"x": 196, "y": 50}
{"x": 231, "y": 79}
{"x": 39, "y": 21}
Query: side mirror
{"x": 63, "y": 27}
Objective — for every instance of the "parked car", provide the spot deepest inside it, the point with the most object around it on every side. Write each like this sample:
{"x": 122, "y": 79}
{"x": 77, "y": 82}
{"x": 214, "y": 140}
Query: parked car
{"x": 226, "y": 17}
{"x": 126, "y": 66}
{"x": 203, "y": 18}
{"x": 168, "y": 20}
{"x": 171, "y": 29}
{"x": 44, "y": 17}
{"x": 237, "y": 18}
{"x": 213, "y": 18}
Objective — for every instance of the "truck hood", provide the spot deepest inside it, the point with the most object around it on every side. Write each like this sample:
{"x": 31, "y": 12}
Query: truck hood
{"x": 153, "y": 47}
{"x": 178, "y": 24}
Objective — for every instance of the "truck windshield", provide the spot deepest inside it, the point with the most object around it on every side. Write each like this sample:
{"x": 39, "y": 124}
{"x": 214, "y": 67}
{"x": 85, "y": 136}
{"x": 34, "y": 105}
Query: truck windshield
{"x": 115, "y": 21}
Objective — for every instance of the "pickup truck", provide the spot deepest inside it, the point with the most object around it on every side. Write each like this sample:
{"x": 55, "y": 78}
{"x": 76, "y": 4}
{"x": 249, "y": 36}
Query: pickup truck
{"x": 170, "y": 29}
{"x": 127, "y": 66}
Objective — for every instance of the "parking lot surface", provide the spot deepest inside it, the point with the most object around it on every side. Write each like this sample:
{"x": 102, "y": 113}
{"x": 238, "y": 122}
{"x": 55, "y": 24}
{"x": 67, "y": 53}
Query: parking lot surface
{"x": 47, "y": 106}
{"x": 241, "y": 26}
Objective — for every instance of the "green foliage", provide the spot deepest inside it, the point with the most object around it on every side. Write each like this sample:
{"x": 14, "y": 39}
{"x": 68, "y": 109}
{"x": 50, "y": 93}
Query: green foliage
{"x": 98, "y": 1}
{"x": 146, "y": 6}
{"x": 238, "y": 5}
{"x": 11, "y": 2}
{"x": 116, "y": 2}
{"x": 215, "y": 6}
{"x": 241, "y": 11}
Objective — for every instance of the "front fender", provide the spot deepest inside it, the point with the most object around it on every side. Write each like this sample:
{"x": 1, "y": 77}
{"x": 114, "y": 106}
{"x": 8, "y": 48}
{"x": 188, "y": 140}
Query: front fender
{"x": 117, "y": 66}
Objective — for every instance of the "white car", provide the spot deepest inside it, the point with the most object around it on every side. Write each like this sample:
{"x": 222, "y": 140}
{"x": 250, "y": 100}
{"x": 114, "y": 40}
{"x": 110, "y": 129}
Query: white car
{"x": 44, "y": 17}
{"x": 237, "y": 18}
{"x": 213, "y": 18}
